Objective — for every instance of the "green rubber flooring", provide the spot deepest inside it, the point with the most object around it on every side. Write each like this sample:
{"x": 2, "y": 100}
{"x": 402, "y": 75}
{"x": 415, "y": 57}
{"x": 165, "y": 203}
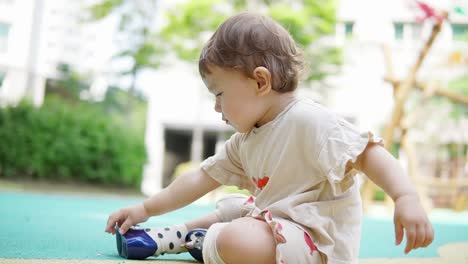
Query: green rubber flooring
{"x": 53, "y": 226}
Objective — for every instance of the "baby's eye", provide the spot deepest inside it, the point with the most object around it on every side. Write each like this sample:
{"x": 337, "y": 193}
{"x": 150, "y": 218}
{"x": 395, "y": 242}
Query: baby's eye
{"x": 219, "y": 94}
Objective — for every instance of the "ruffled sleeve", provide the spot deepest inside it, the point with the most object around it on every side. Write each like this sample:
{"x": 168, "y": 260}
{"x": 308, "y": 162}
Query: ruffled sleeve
{"x": 342, "y": 143}
{"x": 225, "y": 166}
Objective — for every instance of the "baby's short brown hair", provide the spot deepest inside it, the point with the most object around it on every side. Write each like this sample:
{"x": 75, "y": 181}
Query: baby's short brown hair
{"x": 249, "y": 40}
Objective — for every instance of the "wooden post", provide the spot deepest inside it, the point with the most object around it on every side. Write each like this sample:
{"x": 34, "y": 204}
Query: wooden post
{"x": 403, "y": 90}
{"x": 451, "y": 95}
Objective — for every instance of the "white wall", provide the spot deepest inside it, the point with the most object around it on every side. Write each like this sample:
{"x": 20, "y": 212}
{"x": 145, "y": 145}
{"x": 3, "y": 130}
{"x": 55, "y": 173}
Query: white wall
{"x": 18, "y": 14}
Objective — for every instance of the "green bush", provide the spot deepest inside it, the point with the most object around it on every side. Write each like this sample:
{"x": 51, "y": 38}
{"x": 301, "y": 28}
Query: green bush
{"x": 62, "y": 141}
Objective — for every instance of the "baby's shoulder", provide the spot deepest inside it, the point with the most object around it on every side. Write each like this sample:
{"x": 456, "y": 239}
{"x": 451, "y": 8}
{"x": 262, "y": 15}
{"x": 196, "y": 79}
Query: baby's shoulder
{"x": 309, "y": 114}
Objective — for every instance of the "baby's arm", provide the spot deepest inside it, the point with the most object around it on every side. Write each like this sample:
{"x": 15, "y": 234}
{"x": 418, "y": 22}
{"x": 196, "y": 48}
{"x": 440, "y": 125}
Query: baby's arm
{"x": 384, "y": 170}
{"x": 185, "y": 189}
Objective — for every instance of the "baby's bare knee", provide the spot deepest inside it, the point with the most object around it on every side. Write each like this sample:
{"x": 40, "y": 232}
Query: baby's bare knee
{"x": 246, "y": 240}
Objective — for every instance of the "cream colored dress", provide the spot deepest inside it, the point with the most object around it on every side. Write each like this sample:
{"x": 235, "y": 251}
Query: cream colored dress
{"x": 295, "y": 166}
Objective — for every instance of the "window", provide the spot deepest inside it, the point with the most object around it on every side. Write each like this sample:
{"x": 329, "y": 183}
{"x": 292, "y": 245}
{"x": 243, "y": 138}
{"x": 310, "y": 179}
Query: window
{"x": 349, "y": 29}
{"x": 460, "y": 32}
{"x": 2, "y": 77}
{"x": 4, "y": 29}
{"x": 398, "y": 30}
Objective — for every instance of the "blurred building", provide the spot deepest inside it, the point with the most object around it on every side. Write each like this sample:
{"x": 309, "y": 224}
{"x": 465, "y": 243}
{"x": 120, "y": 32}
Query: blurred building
{"x": 364, "y": 27}
{"x": 35, "y": 36}
{"x": 182, "y": 125}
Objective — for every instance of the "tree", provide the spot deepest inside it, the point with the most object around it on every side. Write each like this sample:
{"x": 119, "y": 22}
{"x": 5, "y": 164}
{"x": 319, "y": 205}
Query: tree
{"x": 191, "y": 23}
{"x": 138, "y": 40}
{"x": 69, "y": 84}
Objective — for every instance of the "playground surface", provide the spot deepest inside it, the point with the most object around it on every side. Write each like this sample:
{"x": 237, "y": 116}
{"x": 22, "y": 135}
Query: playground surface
{"x": 59, "y": 228}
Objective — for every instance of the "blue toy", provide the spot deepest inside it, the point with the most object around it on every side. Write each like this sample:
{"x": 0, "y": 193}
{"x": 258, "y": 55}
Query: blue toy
{"x": 137, "y": 244}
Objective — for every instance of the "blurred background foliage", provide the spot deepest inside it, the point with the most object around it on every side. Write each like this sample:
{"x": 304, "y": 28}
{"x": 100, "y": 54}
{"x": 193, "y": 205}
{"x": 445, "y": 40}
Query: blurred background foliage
{"x": 69, "y": 139}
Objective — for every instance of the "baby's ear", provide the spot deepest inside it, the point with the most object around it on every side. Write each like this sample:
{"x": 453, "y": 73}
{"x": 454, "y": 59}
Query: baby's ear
{"x": 263, "y": 78}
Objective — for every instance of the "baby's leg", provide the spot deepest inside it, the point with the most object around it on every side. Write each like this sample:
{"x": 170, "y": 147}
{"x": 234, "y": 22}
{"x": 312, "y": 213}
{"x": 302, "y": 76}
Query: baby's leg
{"x": 252, "y": 240}
{"x": 246, "y": 240}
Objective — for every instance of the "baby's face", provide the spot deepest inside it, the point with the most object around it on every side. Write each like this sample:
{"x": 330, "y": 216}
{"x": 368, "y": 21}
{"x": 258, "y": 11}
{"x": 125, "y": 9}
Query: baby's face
{"x": 236, "y": 98}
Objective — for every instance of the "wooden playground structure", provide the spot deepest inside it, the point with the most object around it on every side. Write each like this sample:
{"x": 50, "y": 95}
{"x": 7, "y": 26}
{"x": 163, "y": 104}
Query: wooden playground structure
{"x": 456, "y": 185}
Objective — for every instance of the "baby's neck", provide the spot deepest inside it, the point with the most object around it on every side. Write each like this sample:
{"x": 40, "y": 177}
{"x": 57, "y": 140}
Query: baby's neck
{"x": 277, "y": 103}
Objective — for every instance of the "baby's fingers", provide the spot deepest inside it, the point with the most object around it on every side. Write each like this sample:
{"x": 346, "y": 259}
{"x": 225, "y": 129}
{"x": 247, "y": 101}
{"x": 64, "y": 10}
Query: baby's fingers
{"x": 410, "y": 239}
{"x": 429, "y": 235}
{"x": 111, "y": 221}
{"x": 110, "y": 226}
{"x": 420, "y": 236}
{"x": 398, "y": 233}
{"x": 125, "y": 226}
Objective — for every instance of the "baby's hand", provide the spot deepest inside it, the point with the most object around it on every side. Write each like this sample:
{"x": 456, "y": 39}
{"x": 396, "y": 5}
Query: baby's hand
{"x": 125, "y": 218}
{"x": 411, "y": 217}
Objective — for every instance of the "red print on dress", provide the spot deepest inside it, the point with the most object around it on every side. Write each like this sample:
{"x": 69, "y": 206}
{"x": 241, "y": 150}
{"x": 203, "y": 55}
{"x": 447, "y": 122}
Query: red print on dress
{"x": 310, "y": 243}
{"x": 262, "y": 182}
